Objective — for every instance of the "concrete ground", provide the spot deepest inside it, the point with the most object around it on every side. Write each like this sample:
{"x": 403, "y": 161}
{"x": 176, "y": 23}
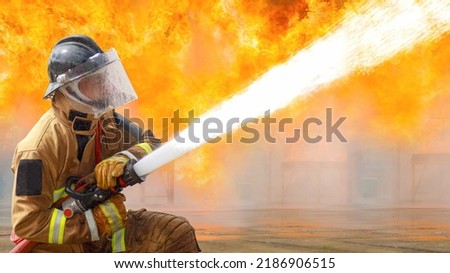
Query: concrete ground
{"x": 306, "y": 231}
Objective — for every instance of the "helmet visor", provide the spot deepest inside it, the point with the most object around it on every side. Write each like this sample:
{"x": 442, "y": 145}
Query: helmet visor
{"x": 102, "y": 89}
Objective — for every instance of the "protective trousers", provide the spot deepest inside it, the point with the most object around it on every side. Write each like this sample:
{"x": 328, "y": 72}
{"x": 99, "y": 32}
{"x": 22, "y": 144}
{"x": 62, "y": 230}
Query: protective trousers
{"x": 152, "y": 232}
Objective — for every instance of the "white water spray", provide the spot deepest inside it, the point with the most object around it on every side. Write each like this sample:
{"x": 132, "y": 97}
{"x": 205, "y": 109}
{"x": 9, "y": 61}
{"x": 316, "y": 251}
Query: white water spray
{"x": 364, "y": 38}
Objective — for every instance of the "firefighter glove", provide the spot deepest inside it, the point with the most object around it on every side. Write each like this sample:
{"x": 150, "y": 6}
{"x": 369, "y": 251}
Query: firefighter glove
{"x": 107, "y": 171}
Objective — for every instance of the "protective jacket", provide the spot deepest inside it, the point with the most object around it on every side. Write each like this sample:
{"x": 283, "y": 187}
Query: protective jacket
{"x": 64, "y": 143}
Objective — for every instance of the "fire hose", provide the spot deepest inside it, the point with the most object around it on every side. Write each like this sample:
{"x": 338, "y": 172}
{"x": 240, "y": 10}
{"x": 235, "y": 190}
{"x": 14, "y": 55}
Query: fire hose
{"x": 84, "y": 194}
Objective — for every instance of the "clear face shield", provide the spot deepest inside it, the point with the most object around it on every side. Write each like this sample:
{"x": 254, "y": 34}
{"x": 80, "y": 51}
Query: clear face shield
{"x": 99, "y": 84}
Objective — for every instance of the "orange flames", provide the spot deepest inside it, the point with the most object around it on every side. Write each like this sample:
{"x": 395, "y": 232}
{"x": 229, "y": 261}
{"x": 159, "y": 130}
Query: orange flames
{"x": 194, "y": 54}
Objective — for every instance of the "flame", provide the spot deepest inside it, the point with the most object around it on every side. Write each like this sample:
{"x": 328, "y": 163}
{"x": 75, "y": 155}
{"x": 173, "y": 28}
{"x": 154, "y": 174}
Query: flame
{"x": 195, "y": 54}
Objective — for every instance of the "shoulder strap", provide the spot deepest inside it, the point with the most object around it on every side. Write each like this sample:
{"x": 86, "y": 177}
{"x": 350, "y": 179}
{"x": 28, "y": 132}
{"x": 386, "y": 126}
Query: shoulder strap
{"x": 128, "y": 126}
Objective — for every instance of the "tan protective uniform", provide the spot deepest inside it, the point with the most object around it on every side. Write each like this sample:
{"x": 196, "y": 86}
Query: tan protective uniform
{"x": 48, "y": 156}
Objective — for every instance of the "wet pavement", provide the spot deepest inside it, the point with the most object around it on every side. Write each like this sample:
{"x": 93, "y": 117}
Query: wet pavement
{"x": 307, "y": 231}
{"x": 399, "y": 230}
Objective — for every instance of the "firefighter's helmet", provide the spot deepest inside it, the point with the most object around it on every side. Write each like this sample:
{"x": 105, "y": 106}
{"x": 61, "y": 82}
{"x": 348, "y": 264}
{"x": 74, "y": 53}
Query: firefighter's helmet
{"x": 80, "y": 69}
{"x": 67, "y": 54}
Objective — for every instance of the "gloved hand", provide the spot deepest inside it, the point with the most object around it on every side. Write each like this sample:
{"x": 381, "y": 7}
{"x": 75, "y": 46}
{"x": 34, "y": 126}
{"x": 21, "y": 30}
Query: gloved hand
{"x": 108, "y": 219}
{"x": 107, "y": 171}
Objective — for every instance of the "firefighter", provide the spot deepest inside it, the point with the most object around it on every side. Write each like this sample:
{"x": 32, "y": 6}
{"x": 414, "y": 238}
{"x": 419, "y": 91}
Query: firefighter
{"x": 80, "y": 134}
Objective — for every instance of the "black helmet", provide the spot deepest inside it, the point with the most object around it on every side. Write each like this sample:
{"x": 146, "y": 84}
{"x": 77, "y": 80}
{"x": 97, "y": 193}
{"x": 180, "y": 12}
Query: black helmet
{"x": 67, "y": 54}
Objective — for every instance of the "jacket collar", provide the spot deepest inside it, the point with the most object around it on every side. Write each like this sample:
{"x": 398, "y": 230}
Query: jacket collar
{"x": 67, "y": 112}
